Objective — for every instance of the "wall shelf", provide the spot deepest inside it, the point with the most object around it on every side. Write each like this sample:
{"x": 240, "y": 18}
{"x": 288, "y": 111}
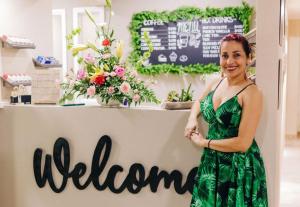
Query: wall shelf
{"x": 13, "y": 83}
{"x": 16, "y": 42}
{"x": 40, "y": 65}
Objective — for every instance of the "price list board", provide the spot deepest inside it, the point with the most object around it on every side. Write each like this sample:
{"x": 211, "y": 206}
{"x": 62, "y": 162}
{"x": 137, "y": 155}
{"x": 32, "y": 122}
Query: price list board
{"x": 187, "y": 42}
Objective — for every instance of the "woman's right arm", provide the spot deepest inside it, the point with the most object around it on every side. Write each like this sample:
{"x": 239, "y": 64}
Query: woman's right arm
{"x": 192, "y": 123}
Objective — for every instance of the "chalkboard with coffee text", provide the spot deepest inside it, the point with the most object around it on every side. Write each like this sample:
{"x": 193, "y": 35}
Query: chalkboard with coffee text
{"x": 187, "y": 42}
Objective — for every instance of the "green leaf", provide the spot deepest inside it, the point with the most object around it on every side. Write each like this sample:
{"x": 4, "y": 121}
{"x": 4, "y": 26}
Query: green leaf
{"x": 112, "y": 34}
{"x": 80, "y": 60}
{"x": 108, "y": 3}
{"x": 91, "y": 17}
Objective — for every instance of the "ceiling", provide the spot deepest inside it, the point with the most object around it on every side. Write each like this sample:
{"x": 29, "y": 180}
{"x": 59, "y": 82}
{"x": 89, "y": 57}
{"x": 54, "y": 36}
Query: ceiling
{"x": 293, "y": 9}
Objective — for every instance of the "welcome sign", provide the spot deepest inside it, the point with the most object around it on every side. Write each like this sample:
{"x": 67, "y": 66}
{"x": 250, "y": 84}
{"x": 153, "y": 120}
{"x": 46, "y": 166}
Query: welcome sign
{"x": 135, "y": 180}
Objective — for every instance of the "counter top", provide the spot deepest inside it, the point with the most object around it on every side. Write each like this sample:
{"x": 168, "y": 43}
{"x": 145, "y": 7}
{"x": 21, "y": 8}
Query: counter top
{"x": 138, "y": 107}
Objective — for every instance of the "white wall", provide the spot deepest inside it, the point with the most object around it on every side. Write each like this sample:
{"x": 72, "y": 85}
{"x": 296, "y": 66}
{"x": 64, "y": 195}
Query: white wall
{"x": 68, "y": 5}
{"x": 270, "y": 132}
{"x": 57, "y": 38}
{"x": 293, "y": 92}
{"x": 30, "y": 19}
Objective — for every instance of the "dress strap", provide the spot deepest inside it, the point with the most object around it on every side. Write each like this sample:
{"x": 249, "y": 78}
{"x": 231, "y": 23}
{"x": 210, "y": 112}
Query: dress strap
{"x": 245, "y": 88}
{"x": 219, "y": 84}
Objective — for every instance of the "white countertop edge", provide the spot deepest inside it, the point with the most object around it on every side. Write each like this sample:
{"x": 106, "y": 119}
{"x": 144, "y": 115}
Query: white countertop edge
{"x": 139, "y": 107}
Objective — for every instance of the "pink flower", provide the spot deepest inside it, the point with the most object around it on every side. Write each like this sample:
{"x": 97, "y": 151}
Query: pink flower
{"x": 120, "y": 71}
{"x": 91, "y": 91}
{"x": 110, "y": 90}
{"x": 113, "y": 74}
{"x": 89, "y": 58}
{"x": 125, "y": 87}
{"x": 136, "y": 97}
{"x": 81, "y": 74}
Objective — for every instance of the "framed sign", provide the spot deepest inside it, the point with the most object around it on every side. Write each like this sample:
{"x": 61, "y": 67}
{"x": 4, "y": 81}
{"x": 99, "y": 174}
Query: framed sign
{"x": 185, "y": 40}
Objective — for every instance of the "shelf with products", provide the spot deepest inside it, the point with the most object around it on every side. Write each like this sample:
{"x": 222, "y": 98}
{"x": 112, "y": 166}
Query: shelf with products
{"x": 17, "y": 88}
{"x": 17, "y": 42}
{"x": 46, "y": 62}
{"x": 16, "y": 79}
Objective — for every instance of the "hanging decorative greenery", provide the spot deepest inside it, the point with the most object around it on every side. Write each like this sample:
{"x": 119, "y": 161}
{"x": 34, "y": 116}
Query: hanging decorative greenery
{"x": 242, "y": 13}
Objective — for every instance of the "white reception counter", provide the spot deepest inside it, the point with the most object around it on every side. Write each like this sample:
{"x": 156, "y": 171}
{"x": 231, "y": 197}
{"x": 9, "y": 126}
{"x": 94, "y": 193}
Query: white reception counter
{"x": 96, "y": 156}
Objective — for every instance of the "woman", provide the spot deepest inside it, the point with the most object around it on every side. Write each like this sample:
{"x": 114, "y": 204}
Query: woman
{"x": 231, "y": 172}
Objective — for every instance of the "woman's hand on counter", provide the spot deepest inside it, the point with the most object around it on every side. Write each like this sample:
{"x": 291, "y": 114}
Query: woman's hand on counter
{"x": 199, "y": 140}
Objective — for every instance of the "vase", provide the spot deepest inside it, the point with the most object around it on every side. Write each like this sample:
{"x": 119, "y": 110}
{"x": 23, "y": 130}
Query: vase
{"x": 177, "y": 105}
{"x": 112, "y": 103}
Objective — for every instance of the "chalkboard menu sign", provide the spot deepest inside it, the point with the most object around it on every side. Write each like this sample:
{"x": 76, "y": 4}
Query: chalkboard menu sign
{"x": 187, "y": 42}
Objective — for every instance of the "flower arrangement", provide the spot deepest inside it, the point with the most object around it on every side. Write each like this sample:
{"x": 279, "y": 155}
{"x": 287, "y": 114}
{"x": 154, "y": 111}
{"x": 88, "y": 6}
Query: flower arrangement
{"x": 102, "y": 74}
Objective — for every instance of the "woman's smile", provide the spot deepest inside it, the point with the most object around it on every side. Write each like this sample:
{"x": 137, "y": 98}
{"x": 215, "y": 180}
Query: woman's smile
{"x": 231, "y": 68}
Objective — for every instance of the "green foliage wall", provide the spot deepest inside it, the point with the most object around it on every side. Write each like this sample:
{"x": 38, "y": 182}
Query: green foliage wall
{"x": 242, "y": 13}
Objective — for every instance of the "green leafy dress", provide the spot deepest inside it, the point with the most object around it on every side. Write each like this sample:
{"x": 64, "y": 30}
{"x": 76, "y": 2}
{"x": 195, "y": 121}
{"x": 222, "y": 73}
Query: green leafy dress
{"x": 228, "y": 179}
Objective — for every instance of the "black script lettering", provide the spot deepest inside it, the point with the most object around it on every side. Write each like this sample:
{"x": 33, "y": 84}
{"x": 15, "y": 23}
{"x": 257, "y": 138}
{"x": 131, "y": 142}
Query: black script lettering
{"x": 61, "y": 145}
{"x": 98, "y": 165}
{"x": 110, "y": 180}
{"x": 175, "y": 176}
{"x": 77, "y": 173}
{"x": 134, "y": 181}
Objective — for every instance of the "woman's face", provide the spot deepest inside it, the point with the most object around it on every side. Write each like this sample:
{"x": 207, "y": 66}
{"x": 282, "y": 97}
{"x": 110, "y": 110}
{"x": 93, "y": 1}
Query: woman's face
{"x": 233, "y": 59}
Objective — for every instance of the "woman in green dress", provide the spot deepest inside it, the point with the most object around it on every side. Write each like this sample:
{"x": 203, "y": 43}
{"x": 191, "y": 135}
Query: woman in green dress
{"x": 231, "y": 172}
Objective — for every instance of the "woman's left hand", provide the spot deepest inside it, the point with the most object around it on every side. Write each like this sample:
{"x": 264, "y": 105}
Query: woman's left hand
{"x": 198, "y": 139}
